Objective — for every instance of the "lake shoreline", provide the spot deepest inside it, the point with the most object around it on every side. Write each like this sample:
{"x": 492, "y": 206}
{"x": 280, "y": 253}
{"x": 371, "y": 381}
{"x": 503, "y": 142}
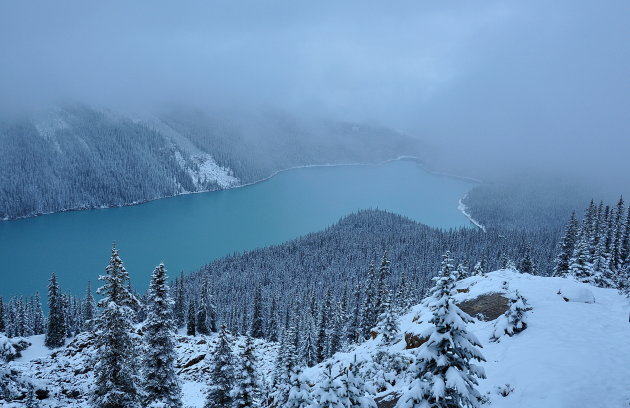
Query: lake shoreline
{"x": 415, "y": 159}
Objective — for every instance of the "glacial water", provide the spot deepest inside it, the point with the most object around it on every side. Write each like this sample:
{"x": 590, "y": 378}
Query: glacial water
{"x": 188, "y": 231}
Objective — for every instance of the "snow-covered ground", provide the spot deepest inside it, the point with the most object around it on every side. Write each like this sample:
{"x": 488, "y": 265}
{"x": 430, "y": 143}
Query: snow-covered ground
{"x": 573, "y": 353}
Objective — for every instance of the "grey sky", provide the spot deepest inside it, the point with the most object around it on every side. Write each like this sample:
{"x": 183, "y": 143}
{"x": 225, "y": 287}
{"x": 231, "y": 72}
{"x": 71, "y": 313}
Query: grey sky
{"x": 495, "y": 79}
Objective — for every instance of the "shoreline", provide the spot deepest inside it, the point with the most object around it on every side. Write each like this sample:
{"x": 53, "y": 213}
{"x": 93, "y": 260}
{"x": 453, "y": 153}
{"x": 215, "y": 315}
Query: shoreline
{"x": 462, "y": 207}
{"x": 415, "y": 159}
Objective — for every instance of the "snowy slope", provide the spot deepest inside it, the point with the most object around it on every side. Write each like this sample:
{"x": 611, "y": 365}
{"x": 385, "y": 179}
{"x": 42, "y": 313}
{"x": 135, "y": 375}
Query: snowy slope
{"x": 572, "y": 354}
{"x": 66, "y": 373}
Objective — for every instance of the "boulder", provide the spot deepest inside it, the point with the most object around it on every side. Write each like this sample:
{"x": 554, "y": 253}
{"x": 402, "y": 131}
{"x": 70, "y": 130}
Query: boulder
{"x": 486, "y": 307}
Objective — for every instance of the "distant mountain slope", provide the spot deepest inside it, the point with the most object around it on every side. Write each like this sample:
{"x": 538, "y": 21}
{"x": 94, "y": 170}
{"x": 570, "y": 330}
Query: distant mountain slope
{"x": 77, "y": 157}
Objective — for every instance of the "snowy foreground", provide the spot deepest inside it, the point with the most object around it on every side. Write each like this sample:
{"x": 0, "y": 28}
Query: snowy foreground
{"x": 575, "y": 351}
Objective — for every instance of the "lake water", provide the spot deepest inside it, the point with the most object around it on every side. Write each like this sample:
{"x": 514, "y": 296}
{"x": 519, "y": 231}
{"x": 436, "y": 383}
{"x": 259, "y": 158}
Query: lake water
{"x": 188, "y": 231}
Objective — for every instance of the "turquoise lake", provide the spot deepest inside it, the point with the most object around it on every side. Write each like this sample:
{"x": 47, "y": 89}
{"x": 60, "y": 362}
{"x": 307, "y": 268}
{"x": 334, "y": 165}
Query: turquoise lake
{"x": 188, "y": 231}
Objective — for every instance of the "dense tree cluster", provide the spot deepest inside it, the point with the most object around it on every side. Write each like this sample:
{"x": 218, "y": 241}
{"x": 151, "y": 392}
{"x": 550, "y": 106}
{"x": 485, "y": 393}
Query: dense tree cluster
{"x": 597, "y": 249}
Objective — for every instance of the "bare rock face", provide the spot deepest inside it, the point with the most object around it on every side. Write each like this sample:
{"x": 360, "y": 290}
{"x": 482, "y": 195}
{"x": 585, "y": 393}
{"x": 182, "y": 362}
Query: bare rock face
{"x": 387, "y": 401}
{"x": 486, "y": 307}
{"x": 412, "y": 341}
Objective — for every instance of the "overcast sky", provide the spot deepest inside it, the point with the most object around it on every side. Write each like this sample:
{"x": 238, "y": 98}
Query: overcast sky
{"x": 497, "y": 80}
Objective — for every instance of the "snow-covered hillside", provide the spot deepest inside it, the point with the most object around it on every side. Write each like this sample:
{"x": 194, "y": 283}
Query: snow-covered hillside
{"x": 573, "y": 354}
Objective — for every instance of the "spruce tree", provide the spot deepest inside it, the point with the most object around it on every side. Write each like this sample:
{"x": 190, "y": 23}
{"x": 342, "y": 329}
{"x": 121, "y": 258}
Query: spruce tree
{"x": 354, "y": 389}
{"x": 201, "y": 318}
{"x": 257, "y": 318}
{"x": 388, "y": 324}
{"x": 444, "y": 373}
{"x": 192, "y": 317}
{"x": 579, "y": 266}
{"x": 567, "y": 246}
{"x": 526, "y": 265}
{"x": 461, "y": 272}
{"x": 514, "y": 320}
{"x": 89, "y": 312}
{"x": 160, "y": 385}
{"x": 219, "y": 394}
{"x": 300, "y": 391}
{"x": 180, "y": 312}
{"x": 39, "y": 321}
{"x": 2, "y": 324}
{"x": 56, "y": 332}
{"x": 328, "y": 392}
{"x": 115, "y": 366}
{"x": 246, "y": 390}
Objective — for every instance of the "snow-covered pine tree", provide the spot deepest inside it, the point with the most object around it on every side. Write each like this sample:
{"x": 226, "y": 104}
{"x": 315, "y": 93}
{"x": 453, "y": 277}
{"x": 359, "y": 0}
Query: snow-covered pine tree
{"x": 402, "y": 296}
{"x": 161, "y": 385}
{"x": 245, "y": 393}
{"x": 445, "y": 375}
{"x": 219, "y": 394}
{"x": 38, "y": 320}
{"x": 618, "y": 225}
{"x": 89, "y": 308}
{"x": 257, "y": 330}
{"x": 480, "y": 267}
{"x": 308, "y": 347}
{"x": 526, "y": 265}
{"x": 56, "y": 332}
{"x": 384, "y": 273}
{"x": 201, "y": 317}
{"x": 461, "y": 272}
{"x": 387, "y": 326}
{"x": 300, "y": 390}
{"x": 272, "y": 323}
{"x": 2, "y": 324}
{"x": 115, "y": 359}
{"x": 514, "y": 320}
{"x": 285, "y": 362}
{"x": 579, "y": 265}
{"x": 369, "y": 316}
{"x": 354, "y": 392}
{"x": 328, "y": 392}
{"x": 179, "y": 307}
{"x": 191, "y": 320}
{"x": 624, "y": 251}
{"x": 323, "y": 331}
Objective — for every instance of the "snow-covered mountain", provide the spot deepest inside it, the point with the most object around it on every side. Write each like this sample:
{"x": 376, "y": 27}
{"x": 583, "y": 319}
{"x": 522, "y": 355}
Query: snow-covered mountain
{"x": 77, "y": 157}
{"x": 573, "y": 352}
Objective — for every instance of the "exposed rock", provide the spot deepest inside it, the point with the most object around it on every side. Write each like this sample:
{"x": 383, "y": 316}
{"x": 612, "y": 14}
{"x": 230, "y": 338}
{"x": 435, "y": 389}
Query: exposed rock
{"x": 486, "y": 307}
{"x": 412, "y": 341}
{"x": 194, "y": 361}
{"x": 387, "y": 401}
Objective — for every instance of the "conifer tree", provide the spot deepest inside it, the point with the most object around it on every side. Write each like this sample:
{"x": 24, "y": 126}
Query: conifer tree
{"x": 384, "y": 273}
{"x": 579, "y": 266}
{"x": 328, "y": 392}
{"x": 300, "y": 391}
{"x": 370, "y": 317}
{"x": 257, "y": 318}
{"x": 115, "y": 369}
{"x": 444, "y": 373}
{"x": 38, "y": 319}
{"x": 514, "y": 320}
{"x": 161, "y": 386}
{"x": 192, "y": 317}
{"x": 201, "y": 318}
{"x": 246, "y": 390}
{"x": 56, "y": 332}
{"x": 388, "y": 324}
{"x": 2, "y": 324}
{"x": 180, "y": 313}
{"x": 461, "y": 272}
{"x": 402, "y": 296}
{"x": 480, "y": 267}
{"x": 219, "y": 394}
{"x": 285, "y": 362}
{"x": 89, "y": 305}
{"x": 526, "y": 265}
{"x": 354, "y": 390}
